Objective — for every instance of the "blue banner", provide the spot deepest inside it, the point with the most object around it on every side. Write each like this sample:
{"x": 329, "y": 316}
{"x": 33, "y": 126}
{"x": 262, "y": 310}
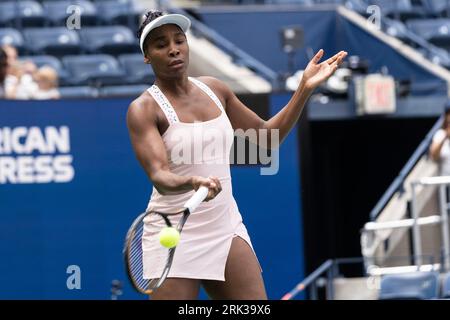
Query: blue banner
{"x": 70, "y": 186}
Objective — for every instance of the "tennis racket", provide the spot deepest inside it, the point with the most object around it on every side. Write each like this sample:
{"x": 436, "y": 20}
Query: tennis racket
{"x": 133, "y": 249}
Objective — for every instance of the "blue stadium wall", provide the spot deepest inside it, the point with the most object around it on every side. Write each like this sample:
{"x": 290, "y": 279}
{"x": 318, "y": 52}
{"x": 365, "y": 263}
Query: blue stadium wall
{"x": 90, "y": 190}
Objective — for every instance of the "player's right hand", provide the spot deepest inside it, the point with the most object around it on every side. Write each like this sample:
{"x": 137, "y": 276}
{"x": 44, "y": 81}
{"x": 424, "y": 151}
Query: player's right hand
{"x": 212, "y": 183}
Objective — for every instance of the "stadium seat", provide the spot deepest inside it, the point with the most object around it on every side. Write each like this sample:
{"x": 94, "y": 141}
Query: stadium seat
{"x": 109, "y": 39}
{"x": 446, "y": 287}
{"x": 25, "y": 13}
{"x": 136, "y": 70}
{"x": 123, "y": 91}
{"x": 396, "y": 29}
{"x": 440, "y": 56}
{"x": 357, "y": 5}
{"x": 241, "y": 1}
{"x": 329, "y": 1}
{"x": 57, "y": 14}
{"x": 95, "y": 70}
{"x": 122, "y": 12}
{"x": 436, "y": 31}
{"x": 413, "y": 285}
{"x": 402, "y": 9}
{"x": 12, "y": 37}
{"x": 437, "y": 7}
{"x": 78, "y": 92}
{"x": 55, "y": 41}
{"x": 43, "y": 60}
{"x": 302, "y": 2}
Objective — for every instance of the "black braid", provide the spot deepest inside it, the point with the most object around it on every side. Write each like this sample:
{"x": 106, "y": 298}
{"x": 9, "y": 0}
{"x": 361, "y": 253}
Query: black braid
{"x": 146, "y": 19}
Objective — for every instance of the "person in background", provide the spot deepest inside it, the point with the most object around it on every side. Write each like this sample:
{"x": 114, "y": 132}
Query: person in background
{"x": 46, "y": 79}
{"x": 3, "y": 68}
{"x": 440, "y": 145}
{"x": 13, "y": 72}
{"x": 11, "y": 53}
{"x": 25, "y": 81}
{"x": 19, "y": 83}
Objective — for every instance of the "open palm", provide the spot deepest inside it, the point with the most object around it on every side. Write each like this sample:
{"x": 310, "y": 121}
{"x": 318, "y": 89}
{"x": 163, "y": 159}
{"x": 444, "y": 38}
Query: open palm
{"x": 315, "y": 72}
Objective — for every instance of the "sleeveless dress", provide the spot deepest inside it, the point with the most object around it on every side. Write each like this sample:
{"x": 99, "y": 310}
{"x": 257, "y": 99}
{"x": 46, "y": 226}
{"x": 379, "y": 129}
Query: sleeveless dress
{"x": 201, "y": 149}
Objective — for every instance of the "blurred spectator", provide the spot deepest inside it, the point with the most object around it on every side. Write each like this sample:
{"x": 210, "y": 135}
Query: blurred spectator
{"x": 27, "y": 86}
{"x": 25, "y": 81}
{"x": 13, "y": 72}
{"x": 15, "y": 84}
{"x": 18, "y": 83}
{"x": 47, "y": 84}
{"x": 11, "y": 53}
{"x": 440, "y": 146}
{"x": 3, "y": 67}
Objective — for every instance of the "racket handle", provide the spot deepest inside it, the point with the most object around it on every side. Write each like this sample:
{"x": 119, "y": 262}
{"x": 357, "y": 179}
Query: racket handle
{"x": 196, "y": 199}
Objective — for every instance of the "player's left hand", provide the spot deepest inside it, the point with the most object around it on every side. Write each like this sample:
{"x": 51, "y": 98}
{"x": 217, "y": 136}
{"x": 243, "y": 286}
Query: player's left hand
{"x": 316, "y": 73}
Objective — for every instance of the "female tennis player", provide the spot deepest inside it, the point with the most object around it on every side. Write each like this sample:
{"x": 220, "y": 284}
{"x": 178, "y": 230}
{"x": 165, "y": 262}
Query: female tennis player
{"x": 164, "y": 122}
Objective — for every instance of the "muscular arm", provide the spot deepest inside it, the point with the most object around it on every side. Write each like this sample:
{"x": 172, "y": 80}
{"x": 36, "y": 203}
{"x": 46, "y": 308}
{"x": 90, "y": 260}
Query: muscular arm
{"x": 283, "y": 121}
{"x": 242, "y": 117}
{"x": 150, "y": 150}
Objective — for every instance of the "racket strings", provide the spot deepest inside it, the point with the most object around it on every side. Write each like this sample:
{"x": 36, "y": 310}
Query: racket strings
{"x": 147, "y": 226}
{"x": 137, "y": 242}
{"x": 135, "y": 258}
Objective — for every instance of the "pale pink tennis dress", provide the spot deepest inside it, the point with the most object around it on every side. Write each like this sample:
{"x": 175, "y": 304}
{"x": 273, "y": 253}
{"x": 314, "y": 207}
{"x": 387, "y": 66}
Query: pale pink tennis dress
{"x": 200, "y": 149}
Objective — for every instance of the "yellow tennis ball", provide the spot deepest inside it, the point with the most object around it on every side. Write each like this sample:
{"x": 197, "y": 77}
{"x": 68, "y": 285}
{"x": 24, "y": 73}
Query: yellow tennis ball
{"x": 169, "y": 237}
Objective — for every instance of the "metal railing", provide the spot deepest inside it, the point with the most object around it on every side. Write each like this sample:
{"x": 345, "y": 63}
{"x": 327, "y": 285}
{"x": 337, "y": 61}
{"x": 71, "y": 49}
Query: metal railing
{"x": 397, "y": 184}
{"x": 442, "y": 183}
{"x": 370, "y": 239}
{"x": 332, "y": 268}
{"x": 310, "y": 281}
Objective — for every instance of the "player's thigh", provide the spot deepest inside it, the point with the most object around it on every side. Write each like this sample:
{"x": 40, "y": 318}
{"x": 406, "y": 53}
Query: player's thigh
{"x": 177, "y": 289}
{"x": 243, "y": 279}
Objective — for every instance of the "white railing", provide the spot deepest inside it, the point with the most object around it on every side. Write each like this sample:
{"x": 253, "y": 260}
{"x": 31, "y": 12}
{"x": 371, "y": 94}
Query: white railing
{"x": 371, "y": 229}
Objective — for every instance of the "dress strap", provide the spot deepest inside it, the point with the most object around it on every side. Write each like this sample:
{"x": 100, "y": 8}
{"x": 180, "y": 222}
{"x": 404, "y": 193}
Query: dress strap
{"x": 209, "y": 92}
{"x": 164, "y": 104}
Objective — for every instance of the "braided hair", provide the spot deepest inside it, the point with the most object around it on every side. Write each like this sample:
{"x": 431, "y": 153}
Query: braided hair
{"x": 146, "y": 19}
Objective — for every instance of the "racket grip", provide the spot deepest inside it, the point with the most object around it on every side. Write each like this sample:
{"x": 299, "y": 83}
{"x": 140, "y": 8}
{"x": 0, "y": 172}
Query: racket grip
{"x": 196, "y": 199}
